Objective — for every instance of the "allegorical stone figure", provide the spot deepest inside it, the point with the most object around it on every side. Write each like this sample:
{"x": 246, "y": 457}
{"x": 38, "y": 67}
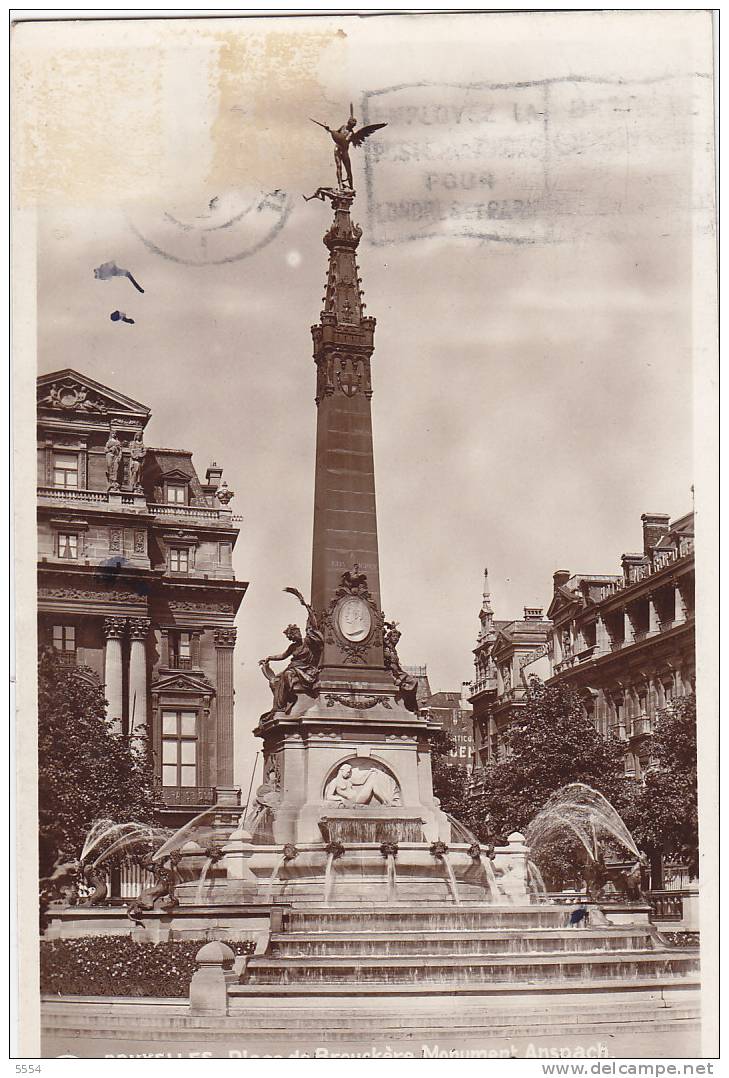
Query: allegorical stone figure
{"x": 137, "y": 453}
{"x": 302, "y": 673}
{"x": 113, "y": 451}
{"x": 353, "y": 786}
{"x": 344, "y": 137}
{"x": 407, "y": 684}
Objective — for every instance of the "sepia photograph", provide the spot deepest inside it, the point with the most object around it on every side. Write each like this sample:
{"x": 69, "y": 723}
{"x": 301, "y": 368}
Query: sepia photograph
{"x": 366, "y": 604}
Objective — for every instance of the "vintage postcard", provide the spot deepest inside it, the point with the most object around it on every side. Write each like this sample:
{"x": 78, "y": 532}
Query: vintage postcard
{"x": 366, "y": 599}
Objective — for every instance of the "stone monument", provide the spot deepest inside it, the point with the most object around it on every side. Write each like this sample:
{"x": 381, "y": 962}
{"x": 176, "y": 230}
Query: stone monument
{"x": 346, "y": 751}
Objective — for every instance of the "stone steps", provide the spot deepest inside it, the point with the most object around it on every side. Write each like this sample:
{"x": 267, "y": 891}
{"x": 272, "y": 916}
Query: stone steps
{"x": 434, "y": 918}
{"x": 469, "y": 969}
{"x": 361, "y": 945}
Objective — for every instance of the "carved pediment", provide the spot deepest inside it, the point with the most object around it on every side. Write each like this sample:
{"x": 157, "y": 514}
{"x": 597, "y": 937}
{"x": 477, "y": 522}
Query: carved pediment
{"x": 564, "y": 600}
{"x": 181, "y": 681}
{"x": 174, "y": 474}
{"x": 68, "y": 392}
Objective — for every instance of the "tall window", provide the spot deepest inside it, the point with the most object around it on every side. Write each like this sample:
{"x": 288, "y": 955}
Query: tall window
{"x": 68, "y": 545}
{"x": 177, "y": 493}
{"x": 65, "y": 470}
{"x": 64, "y": 640}
{"x": 179, "y": 748}
{"x": 183, "y": 651}
{"x": 179, "y": 559}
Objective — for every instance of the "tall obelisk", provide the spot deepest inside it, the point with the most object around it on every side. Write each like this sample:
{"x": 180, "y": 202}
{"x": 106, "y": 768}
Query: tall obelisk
{"x": 349, "y": 745}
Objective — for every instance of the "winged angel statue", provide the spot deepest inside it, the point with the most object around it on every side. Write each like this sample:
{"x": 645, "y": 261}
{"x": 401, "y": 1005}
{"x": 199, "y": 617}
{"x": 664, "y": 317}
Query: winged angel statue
{"x": 343, "y": 138}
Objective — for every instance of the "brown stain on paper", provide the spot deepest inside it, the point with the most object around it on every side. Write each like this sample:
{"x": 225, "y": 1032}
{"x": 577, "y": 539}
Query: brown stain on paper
{"x": 268, "y": 85}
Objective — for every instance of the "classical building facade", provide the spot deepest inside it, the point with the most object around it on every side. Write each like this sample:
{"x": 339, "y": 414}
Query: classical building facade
{"x": 135, "y": 582}
{"x": 497, "y": 692}
{"x": 626, "y": 641}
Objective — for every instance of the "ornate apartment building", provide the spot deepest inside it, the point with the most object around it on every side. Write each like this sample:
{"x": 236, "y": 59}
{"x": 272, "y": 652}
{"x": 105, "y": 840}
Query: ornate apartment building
{"x": 497, "y": 692}
{"x": 625, "y": 641}
{"x": 135, "y": 582}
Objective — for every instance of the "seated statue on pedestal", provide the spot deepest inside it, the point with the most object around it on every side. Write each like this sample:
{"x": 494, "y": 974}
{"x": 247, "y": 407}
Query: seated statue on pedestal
{"x": 352, "y": 786}
{"x": 302, "y": 673}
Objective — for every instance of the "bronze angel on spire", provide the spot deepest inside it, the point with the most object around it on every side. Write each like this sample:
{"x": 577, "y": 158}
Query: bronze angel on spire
{"x": 343, "y": 138}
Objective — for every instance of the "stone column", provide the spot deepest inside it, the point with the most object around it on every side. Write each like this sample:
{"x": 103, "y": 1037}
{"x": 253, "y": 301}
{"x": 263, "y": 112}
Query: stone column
{"x": 628, "y": 627}
{"x": 654, "y": 623}
{"x": 601, "y": 637}
{"x": 226, "y": 792}
{"x": 114, "y": 631}
{"x": 680, "y": 612}
{"x": 138, "y": 629}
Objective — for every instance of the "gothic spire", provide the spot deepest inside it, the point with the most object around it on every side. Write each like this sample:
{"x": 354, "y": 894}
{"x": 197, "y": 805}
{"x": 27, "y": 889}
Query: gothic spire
{"x": 486, "y": 613}
{"x": 343, "y": 298}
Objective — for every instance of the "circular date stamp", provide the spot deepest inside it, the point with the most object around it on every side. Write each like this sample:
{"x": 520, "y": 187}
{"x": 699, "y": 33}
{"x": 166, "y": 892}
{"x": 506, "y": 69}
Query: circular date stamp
{"x": 229, "y": 228}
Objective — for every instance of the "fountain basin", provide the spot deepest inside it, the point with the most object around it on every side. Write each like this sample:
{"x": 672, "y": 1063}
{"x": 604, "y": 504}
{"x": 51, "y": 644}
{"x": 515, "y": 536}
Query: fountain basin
{"x": 360, "y": 873}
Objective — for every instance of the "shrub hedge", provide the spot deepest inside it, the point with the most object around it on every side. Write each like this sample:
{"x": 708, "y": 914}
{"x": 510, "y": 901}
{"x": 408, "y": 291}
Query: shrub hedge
{"x": 120, "y": 966}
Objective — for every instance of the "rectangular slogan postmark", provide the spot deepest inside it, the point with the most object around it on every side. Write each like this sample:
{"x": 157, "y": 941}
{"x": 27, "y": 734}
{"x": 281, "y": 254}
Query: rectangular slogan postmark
{"x": 523, "y": 163}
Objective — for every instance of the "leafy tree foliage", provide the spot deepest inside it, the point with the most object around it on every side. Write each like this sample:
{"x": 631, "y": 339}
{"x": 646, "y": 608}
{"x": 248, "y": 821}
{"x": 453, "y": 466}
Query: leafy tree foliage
{"x": 551, "y": 743}
{"x": 85, "y": 771}
{"x": 667, "y": 819}
{"x": 450, "y": 781}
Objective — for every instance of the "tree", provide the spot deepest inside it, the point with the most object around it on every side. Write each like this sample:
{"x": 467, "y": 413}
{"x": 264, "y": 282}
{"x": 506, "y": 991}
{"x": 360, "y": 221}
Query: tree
{"x": 85, "y": 770}
{"x": 450, "y": 781}
{"x": 667, "y": 818}
{"x": 551, "y": 743}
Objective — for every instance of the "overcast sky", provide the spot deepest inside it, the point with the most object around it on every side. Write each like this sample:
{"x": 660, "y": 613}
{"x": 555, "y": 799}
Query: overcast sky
{"x": 529, "y": 221}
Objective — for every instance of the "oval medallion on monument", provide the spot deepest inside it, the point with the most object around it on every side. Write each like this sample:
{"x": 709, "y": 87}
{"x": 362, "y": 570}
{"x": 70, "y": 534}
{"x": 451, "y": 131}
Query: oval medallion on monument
{"x": 354, "y": 619}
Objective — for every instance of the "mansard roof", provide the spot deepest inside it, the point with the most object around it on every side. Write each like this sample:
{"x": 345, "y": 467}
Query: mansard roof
{"x": 69, "y": 391}
{"x": 445, "y": 699}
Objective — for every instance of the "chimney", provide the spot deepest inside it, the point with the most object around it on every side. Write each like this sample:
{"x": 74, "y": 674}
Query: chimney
{"x": 634, "y": 567}
{"x": 560, "y": 578}
{"x": 212, "y": 475}
{"x": 655, "y": 526}
{"x": 533, "y": 613}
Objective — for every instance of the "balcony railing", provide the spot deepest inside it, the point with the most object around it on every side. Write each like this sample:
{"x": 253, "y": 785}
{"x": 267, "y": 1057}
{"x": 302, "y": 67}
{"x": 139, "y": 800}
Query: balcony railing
{"x": 188, "y": 512}
{"x": 487, "y": 684}
{"x": 666, "y": 905}
{"x": 641, "y": 726}
{"x": 184, "y": 796}
{"x": 101, "y": 497}
{"x": 73, "y": 494}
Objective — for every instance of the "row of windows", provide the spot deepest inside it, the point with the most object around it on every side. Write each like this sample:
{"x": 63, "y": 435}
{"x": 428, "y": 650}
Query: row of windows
{"x": 66, "y": 474}
{"x": 64, "y": 639}
{"x": 179, "y": 559}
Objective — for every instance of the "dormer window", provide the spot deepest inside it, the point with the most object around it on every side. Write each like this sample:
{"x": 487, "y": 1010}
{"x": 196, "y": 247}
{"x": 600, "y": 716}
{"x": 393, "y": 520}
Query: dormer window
{"x": 65, "y": 470}
{"x": 176, "y": 493}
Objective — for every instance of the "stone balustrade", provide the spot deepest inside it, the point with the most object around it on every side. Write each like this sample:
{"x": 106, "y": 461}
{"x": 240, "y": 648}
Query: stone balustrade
{"x": 74, "y": 494}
